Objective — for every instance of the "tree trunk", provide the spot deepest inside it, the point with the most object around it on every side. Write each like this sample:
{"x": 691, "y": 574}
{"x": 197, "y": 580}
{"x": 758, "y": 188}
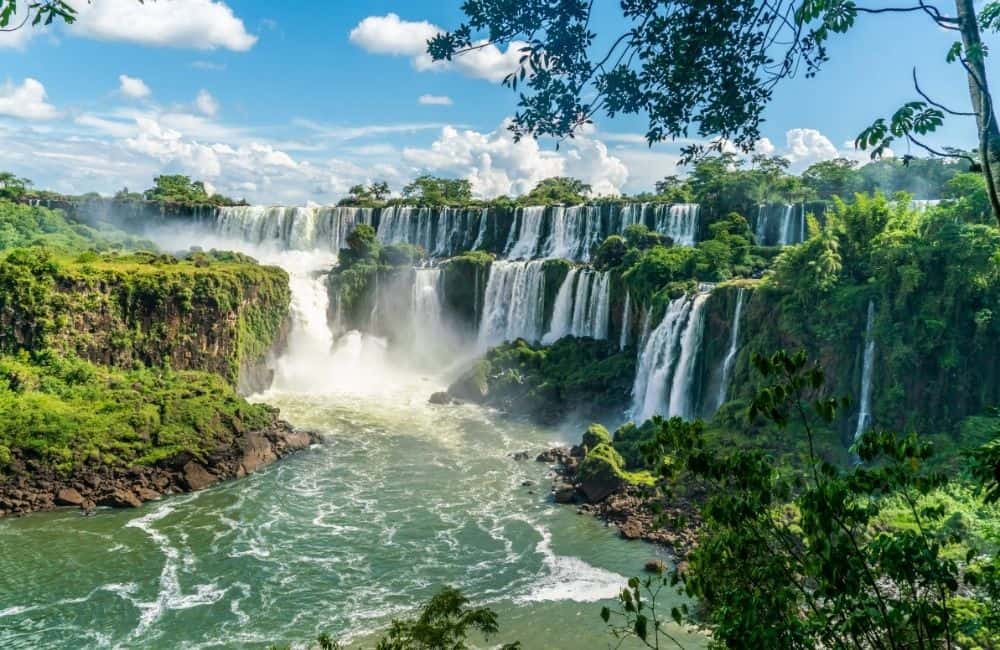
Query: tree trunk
{"x": 982, "y": 100}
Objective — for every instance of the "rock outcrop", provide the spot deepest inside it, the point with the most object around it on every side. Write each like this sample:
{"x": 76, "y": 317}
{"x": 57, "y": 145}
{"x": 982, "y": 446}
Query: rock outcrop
{"x": 31, "y": 487}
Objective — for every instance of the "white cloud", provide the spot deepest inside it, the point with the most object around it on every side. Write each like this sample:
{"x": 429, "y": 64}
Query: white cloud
{"x": 198, "y": 24}
{"x": 18, "y": 38}
{"x": 807, "y": 146}
{"x": 26, "y": 101}
{"x": 133, "y": 87}
{"x": 496, "y": 165}
{"x": 206, "y": 104}
{"x": 394, "y": 36}
{"x": 435, "y": 100}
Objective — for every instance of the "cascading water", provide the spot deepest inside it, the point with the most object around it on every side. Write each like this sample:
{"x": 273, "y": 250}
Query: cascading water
{"x": 664, "y": 380}
{"x": 303, "y": 229}
{"x": 528, "y": 223}
{"x": 780, "y": 224}
{"x": 512, "y": 304}
{"x": 574, "y": 231}
{"x": 865, "y": 410}
{"x": 679, "y": 222}
{"x": 734, "y": 339}
{"x": 626, "y": 321}
{"x": 582, "y": 307}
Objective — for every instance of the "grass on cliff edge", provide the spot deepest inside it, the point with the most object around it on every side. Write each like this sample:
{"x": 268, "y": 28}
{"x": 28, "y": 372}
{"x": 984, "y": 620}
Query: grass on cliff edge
{"x": 65, "y": 412}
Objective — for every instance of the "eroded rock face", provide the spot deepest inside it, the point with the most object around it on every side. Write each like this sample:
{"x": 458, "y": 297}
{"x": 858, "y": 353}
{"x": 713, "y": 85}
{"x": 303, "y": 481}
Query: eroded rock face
{"x": 473, "y": 386}
{"x": 32, "y": 487}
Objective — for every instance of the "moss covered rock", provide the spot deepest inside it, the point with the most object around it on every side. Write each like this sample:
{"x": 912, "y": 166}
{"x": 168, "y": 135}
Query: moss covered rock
{"x": 595, "y": 435}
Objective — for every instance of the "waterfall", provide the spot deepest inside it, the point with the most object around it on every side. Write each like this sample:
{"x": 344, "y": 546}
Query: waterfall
{"x": 300, "y": 228}
{"x": 922, "y": 205}
{"x": 574, "y": 231}
{"x": 427, "y": 315}
{"x": 679, "y": 222}
{"x": 583, "y": 306}
{"x": 734, "y": 340}
{"x": 626, "y": 321}
{"x": 528, "y": 234}
{"x": 562, "y": 312}
{"x": 664, "y": 381}
{"x": 787, "y": 226}
{"x": 780, "y": 224}
{"x": 481, "y": 235}
{"x": 512, "y": 305}
{"x": 865, "y": 410}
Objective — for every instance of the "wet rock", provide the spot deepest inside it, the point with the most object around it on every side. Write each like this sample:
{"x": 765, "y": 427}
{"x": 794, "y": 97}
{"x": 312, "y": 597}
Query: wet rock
{"x": 555, "y": 455}
{"x": 630, "y": 529}
{"x": 69, "y": 497}
{"x": 655, "y": 566}
{"x": 528, "y": 483}
{"x": 122, "y": 498}
{"x": 520, "y": 455}
{"x": 146, "y": 494}
{"x": 441, "y": 398}
{"x": 257, "y": 452}
{"x": 197, "y": 477}
{"x": 473, "y": 386}
{"x": 563, "y": 493}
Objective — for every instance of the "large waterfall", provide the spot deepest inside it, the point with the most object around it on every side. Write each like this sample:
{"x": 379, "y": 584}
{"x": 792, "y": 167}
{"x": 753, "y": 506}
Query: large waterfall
{"x": 441, "y": 232}
{"x": 734, "y": 340}
{"x": 282, "y": 228}
{"x": 513, "y": 303}
{"x": 573, "y": 232}
{"x": 626, "y": 321}
{"x": 667, "y": 361}
{"x": 582, "y": 306}
{"x": 525, "y": 233}
{"x": 865, "y": 410}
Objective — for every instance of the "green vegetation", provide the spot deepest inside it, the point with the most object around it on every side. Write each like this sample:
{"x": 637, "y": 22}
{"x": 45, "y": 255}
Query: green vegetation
{"x": 372, "y": 196}
{"x": 558, "y": 190}
{"x": 670, "y": 60}
{"x": 24, "y": 225}
{"x": 434, "y": 191}
{"x": 213, "y": 311}
{"x": 64, "y": 412}
{"x": 572, "y": 376}
{"x": 181, "y": 189}
{"x": 879, "y": 553}
{"x": 13, "y": 187}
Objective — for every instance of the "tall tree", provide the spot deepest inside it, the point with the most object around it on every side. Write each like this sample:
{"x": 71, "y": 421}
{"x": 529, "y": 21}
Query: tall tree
{"x": 709, "y": 69}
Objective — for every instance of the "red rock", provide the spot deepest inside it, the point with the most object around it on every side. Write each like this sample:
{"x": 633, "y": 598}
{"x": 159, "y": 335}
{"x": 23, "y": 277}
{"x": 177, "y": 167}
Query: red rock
{"x": 197, "y": 477}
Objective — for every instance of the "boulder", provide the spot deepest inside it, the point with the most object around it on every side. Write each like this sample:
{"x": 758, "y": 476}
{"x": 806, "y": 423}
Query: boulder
{"x": 630, "y": 529}
{"x": 473, "y": 386}
{"x": 122, "y": 498}
{"x": 600, "y": 473}
{"x": 440, "y": 398}
{"x": 520, "y": 455}
{"x": 655, "y": 566}
{"x": 69, "y": 497}
{"x": 563, "y": 492}
{"x": 257, "y": 452}
{"x": 595, "y": 435}
{"x": 197, "y": 477}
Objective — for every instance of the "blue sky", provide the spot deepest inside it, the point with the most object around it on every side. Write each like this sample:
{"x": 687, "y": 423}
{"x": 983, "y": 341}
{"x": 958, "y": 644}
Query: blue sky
{"x": 296, "y": 101}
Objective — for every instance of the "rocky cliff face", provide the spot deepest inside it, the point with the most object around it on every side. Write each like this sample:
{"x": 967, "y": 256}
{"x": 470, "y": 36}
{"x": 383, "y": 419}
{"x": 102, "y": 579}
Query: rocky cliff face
{"x": 218, "y": 315}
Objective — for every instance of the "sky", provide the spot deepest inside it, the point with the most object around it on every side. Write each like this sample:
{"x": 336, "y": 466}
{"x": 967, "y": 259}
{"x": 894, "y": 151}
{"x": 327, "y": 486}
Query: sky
{"x": 294, "y": 102}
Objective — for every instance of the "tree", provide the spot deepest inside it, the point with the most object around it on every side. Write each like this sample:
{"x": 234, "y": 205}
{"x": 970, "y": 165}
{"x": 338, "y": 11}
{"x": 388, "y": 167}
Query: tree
{"x": 674, "y": 190}
{"x": 710, "y": 68}
{"x": 830, "y": 178}
{"x": 36, "y": 13}
{"x": 177, "y": 188}
{"x": 558, "y": 189}
{"x": 431, "y": 190}
{"x": 12, "y": 186}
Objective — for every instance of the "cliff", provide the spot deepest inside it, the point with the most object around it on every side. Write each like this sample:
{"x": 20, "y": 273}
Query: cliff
{"x": 218, "y": 313}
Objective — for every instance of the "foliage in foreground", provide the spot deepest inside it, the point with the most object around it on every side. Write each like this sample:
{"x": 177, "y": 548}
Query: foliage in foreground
{"x": 804, "y": 559}
{"x": 444, "y": 623}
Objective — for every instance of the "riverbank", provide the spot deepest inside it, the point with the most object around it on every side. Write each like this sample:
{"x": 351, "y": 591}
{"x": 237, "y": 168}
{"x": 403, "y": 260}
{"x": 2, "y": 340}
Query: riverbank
{"x": 32, "y": 486}
{"x": 672, "y": 522}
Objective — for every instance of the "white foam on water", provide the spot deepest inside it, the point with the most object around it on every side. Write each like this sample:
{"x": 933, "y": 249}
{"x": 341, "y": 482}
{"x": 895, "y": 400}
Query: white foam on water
{"x": 570, "y": 578}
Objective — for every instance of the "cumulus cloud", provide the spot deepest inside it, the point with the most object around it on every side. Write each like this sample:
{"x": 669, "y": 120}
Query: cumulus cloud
{"x": 496, "y": 165}
{"x": 435, "y": 100}
{"x": 197, "y": 24}
{"x": 804, "y": 147}
{"x": 26, "y": 101}
{"x": 133, "y": 87}
{"x": 394, "y": 36}
{"x": 206, "y": 104}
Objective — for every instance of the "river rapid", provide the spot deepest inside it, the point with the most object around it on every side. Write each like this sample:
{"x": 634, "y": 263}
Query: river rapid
{"x": 401, "y": 498}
